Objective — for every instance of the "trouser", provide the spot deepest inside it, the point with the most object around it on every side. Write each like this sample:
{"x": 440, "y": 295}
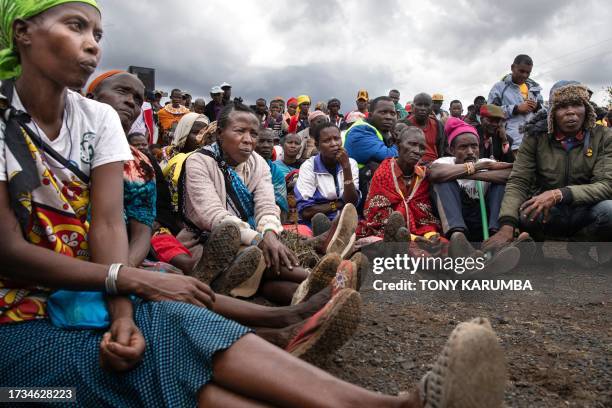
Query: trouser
{"x": 588, "y": 223}
{"x": 460, "y": 213}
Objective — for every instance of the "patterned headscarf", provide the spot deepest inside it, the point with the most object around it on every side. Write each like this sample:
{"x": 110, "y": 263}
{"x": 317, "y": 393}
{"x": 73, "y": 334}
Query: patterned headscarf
{"x": 11, "y": 10}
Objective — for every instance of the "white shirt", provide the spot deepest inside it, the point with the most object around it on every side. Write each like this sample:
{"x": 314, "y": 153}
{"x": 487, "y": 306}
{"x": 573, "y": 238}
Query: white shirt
{"x": 91, "y": 135}
{"x": 468, "y": 186}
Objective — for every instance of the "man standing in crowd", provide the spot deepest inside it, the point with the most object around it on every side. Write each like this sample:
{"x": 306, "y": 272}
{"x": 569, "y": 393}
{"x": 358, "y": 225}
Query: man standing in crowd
{"x": 561, "y": 183}
{"x": 362, "y": 103}
{"x": 456, "y": 109}
{"x": 437, "y": 100}
{"x": 170, "y": 114}
{"x": 227, "y": 93}
{"x": 519, "y": 96}
{"x": 213, "y": 108}
{"x": 261, "y": 110}
{"x": 494, "y": 143}
{"x": 335, "y": 117}
{"x": 432, "y": 128}
{"x": 187, "y": 100}
{"x": 401, "y": 112}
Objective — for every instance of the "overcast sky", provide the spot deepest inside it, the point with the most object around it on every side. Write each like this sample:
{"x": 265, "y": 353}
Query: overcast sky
{"x": 332, "y": 48}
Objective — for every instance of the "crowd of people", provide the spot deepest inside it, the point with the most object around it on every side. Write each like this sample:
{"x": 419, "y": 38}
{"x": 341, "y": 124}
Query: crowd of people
{"x": 138, "y": 234}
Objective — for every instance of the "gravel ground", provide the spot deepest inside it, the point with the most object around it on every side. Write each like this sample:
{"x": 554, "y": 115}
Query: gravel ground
{"x": 557, "y": 337}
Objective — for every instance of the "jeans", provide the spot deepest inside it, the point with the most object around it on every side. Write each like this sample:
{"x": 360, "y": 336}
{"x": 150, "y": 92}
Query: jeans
{"x": 578, "y": 223}
{"x": 460, "y": 213}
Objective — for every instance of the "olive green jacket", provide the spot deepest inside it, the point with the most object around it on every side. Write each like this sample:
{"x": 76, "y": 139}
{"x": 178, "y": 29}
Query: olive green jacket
{"x": 584, "y": 173}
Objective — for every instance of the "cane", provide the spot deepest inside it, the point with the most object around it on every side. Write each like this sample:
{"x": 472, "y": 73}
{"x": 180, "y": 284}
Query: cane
{"x": 483, "y": 213}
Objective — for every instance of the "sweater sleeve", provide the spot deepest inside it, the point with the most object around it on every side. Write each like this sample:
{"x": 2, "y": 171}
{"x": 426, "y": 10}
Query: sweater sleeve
{"x": 204, "y": 206}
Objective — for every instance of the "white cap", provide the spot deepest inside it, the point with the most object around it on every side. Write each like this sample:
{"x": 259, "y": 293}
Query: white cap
{"x": 216, "y": 90}
{"x": 225, "y": 84}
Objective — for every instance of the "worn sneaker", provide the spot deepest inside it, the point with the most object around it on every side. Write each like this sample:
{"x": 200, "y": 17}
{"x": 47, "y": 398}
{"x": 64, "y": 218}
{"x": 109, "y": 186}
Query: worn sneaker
{"x": 502, "y": 261}
{"x": 363, "y": 266}
{"x": 218, "y": 252}
{"x": 240, "y": 270}
{"x": 320, "y": 224}
{"x": 319, "y": 278}
{"x": 394, "y": 223}
{"x": 470, "y": 372}
{"x": 347, "y": 277}
{"x": 328, "y": 329}
{"x": 459, "y": 246}
{"x": 344, "y": 235}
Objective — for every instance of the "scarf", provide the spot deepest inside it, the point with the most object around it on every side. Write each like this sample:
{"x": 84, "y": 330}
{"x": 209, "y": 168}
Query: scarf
{"x": 239, "y": 199}
{"x": 11, "y": 10}
{"x": 183, "y": 128}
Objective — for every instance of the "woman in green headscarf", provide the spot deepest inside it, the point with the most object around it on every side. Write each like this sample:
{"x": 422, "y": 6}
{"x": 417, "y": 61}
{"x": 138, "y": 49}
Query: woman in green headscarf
{"x": 61, "y": 221}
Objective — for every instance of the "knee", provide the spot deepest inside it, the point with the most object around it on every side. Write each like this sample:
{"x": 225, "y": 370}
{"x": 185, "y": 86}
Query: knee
{"x": 603, "y": 213}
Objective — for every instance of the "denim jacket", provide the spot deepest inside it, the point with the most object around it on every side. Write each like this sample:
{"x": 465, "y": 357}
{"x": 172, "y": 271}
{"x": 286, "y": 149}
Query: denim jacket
{"x": 507, "y": 94}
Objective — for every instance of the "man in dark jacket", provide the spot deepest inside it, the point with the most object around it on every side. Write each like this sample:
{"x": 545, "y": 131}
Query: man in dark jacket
{"x": 561, "y": 182}
{"x": 494, "y": 142}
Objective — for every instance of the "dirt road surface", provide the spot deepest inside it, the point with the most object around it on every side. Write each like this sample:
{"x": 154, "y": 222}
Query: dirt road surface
{"x": 557, "y": 337}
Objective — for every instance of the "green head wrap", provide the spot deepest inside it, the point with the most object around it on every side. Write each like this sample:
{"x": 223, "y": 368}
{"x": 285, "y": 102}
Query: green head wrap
{"x": 11, "y": 10}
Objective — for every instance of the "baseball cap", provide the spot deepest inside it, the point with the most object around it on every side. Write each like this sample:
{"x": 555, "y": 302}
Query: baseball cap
{"x": 437, "y": 97}
{"x": 363, "y": 94}
{"x": 216, "y": 90}
{"x": 225, "y": 85}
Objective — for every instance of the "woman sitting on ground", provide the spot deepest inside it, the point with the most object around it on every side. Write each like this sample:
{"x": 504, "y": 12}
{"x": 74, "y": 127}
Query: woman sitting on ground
{"x": 226, "y": 182}
{"x": 52, "y": 46}
{"x": 327, "y": 181}
{"x": 398, "y": 207}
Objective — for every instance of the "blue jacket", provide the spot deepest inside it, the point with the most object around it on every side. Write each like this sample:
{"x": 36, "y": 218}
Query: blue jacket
{"x": 363, "y": 144}
{"x": 507, "y": 94}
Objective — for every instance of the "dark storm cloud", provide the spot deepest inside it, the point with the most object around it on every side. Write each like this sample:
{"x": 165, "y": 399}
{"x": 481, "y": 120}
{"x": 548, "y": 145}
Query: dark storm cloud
{"x": 333, "y": 48}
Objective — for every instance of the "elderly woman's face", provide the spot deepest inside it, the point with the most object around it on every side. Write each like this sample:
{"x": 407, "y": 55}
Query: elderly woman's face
{"x": 569, "y": 118}
{"x": 239, "y": 137}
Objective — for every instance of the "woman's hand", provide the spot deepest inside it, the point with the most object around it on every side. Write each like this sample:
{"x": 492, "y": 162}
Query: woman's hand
{"x": 343, "y": 159}
{"x": 276, "y": 253}
{"x": 122, "y": 347}
{"x": 156, "y": 286}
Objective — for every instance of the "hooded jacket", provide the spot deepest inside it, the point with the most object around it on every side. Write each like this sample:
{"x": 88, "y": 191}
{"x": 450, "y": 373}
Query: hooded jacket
{"x": 507, "y": 94}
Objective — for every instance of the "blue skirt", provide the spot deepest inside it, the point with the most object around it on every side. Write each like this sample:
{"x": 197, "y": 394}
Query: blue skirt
{"x": 181, "y": 340}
